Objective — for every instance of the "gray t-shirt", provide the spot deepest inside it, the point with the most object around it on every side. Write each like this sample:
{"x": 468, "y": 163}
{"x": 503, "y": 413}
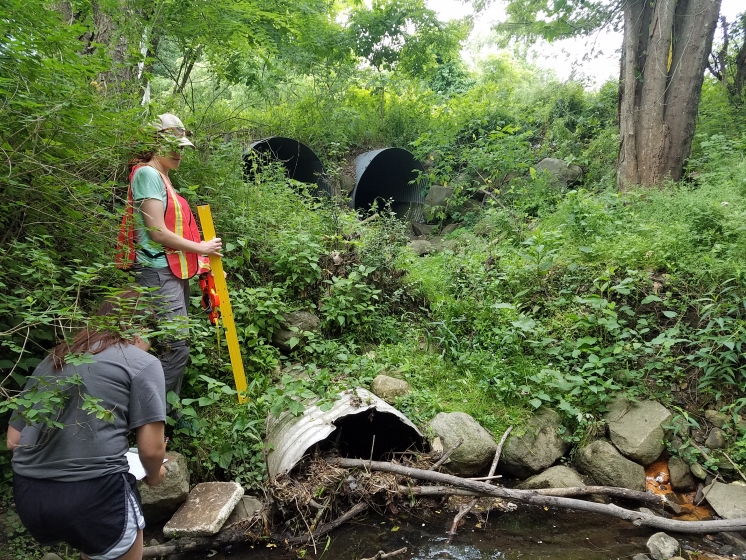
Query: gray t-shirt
{"x": 129, "y": 382}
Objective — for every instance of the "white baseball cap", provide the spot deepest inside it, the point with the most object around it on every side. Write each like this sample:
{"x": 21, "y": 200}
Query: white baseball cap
{"x": 174, "y": 126}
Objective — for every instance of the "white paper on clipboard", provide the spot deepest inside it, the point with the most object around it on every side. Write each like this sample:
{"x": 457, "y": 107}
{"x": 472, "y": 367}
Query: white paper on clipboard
{"x": 136, "y": 468}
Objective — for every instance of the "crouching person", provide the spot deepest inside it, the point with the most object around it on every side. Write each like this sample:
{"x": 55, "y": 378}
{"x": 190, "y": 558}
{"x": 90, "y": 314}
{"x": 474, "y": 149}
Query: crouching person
{"x": 71, "y": 482}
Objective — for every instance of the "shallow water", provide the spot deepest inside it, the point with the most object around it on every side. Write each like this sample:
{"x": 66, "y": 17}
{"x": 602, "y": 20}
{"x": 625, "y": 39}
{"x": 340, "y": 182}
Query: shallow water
{"x": 528, "y": 533}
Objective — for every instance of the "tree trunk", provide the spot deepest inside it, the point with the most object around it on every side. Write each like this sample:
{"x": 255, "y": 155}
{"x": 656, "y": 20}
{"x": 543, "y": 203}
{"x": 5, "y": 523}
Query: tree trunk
{"x": 661, "y": 85}
{"x": 739, "y": 84}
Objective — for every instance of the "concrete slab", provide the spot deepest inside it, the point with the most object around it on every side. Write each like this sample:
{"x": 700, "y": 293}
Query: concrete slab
{"x": 203, "y": 514}
{"x": 728, "y": 500}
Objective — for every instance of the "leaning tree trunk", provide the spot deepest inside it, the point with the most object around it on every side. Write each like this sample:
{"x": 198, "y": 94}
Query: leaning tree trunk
{"x": 664, "y": 55}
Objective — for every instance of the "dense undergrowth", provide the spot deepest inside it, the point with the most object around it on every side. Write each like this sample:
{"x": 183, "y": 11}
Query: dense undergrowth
{"x": 544, "y": 297}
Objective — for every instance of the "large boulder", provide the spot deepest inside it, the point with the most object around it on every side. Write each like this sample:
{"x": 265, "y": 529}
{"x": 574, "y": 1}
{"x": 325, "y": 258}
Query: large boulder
{"x": 160, "y": 502}
{"x": 662, "y": 546}
{"x": 603, "y": 463}
{"x": 388, "y": 388}
{"x": 478, "y": 447}
{"x": 560, "y": 476}
{"x": 636, "y": 429}
{"x": 728, "y": 500}
{"x": 437, "y": 196}
{"x": 562, "y": 173}
{"x": 302, "y": 321}
{"x": 536, "y": 449}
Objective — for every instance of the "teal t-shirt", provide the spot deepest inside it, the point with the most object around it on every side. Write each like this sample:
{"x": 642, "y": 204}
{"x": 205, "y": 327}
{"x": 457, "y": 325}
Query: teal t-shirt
{"x": 147, "y": 183}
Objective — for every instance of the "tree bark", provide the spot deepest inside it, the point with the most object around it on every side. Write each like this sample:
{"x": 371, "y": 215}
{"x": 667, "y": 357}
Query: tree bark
{"x": 739, "y": 84}
{"x": 664, "y": 55}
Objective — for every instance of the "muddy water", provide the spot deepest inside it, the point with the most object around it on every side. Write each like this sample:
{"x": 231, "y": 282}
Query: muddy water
{"x": 528, "y": 533}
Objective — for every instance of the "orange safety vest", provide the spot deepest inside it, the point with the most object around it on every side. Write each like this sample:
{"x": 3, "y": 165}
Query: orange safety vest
{"x": 178, "y": 218}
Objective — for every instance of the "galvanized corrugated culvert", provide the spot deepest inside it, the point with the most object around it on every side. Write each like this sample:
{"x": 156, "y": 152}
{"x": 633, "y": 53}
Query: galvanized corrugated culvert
{"x": 359, "y": 425}
{"x": 300, "y": 161}
{"x": 389, "y": 174}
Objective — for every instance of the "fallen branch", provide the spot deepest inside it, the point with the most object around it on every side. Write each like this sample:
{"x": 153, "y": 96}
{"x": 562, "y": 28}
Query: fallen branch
{"x": 624, "y": 493}
{"x": 532, "y": 497}
{"x": 444, "y": 457}
{"x": 464, "y": 511}
{"x": 324, "y": 529}
{"x": 381, "y": 554}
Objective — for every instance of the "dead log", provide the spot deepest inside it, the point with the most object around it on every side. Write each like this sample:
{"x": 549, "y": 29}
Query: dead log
{"x": 639, "y": 519}
{"x": 444, "y": 457}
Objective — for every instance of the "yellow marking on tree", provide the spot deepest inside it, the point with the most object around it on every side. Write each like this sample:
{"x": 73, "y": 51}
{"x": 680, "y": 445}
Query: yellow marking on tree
{"x": 226, "y": 313}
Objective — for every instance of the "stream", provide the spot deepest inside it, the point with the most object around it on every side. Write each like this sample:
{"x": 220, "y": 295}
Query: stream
{"x": 527, "y": 533}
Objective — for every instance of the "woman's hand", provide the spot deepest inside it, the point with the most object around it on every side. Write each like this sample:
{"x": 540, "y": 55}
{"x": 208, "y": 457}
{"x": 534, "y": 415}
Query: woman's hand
{"x": 156, "y": 481}
{"x": 211, "y": 247}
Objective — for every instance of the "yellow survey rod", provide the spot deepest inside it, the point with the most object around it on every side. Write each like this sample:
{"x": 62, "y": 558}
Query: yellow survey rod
{"x": 226, "y": 313}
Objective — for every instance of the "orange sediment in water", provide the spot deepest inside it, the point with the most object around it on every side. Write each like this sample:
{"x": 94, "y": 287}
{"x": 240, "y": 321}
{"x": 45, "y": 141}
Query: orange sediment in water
{"x": 658, "y": 481}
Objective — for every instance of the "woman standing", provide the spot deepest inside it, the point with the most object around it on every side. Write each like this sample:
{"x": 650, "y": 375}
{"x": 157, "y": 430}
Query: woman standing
{"x": 71, "y": 478}
{"x": 160, "y": 238}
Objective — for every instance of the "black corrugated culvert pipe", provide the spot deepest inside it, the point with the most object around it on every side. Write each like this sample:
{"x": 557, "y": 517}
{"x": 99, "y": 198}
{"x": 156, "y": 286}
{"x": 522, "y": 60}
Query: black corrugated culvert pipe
{"x": 390, "y": 173}
{"x": 301, "y": 163}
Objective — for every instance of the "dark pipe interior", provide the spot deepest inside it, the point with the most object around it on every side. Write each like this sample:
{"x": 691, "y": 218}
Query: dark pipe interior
{"x": 354, "y": 435}
{"x": 299, "y": 160}
{"x": 390, "y": 173}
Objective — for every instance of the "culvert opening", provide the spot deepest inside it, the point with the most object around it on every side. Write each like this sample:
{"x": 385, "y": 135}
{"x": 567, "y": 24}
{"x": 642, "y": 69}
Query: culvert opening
{"x": 371, "y": 430}
{"x": 300, "y": 161}
{"x": 389, "y": 174}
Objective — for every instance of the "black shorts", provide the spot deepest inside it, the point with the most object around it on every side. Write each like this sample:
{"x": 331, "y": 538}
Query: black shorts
{"x": 99, "y": 517}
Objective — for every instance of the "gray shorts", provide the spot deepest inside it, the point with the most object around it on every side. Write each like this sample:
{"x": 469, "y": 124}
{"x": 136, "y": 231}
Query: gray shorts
{"x": 171, "y": 300}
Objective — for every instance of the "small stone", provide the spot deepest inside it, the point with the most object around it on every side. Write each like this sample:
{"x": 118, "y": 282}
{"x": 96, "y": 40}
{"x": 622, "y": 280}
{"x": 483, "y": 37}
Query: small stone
{"x": 681, "y": 476}
{"x": 389, "y": 388}
{"x": 641, "y": 557}
{"x": 245, "y": 509}
{"x": 421, "y": 247}
{"x": 153, "y": 542}
{"x": 715, "y": 439}
{"x": 698, "y": 471}
{"x": 717, "y": 419}
{"x": 662, "y": 546}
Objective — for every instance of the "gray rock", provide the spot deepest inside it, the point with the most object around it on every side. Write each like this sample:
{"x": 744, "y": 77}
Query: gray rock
{"x": 423, "y": 229}
{"x": 715, "y": 439}
{"x": 662, "y": 547}
{"x": 641, "y": 557}
{"x": 245, "y": 509}
{"x": 698, "y": 471}
{"x": 160, "y": 502}
{"x": 437, "y": 196}
{"x": 538, "y": 448}
{"x": 421, "y": 247}
{"x": 681, "y": 476}
{"x": 736, "y": 541}
{"x": 636, "y": 429}
{"x": 450, "y": 228}
{"x": 563, "y": 174}
{"x": 478, "y": 447}
{"x": 601, "y": 461}
{"x": 728, "y": 500}
{"x": 554, "y": 477}
{"x": 717, "y": 419}
{"x": 347, "y": 183}
{"x": 207, "y": 508}
{"x": 302, "y": 320}
{"x": 388, "y": 388}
